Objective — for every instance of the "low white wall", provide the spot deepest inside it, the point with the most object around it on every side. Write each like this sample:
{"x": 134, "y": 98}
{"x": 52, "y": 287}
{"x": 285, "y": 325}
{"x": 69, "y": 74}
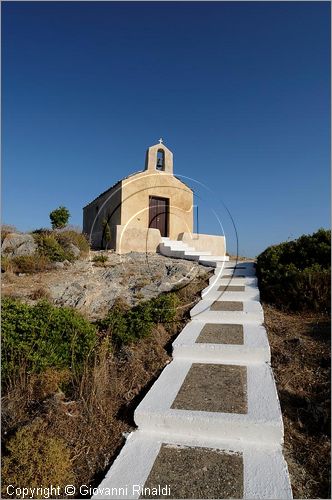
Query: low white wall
{"x": 205, "y": 242}
{"x": 132, "y": 239}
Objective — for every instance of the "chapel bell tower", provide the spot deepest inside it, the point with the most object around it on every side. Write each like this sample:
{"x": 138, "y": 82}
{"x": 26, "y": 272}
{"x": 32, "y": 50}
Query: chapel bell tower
{"x": 159, "y": 159}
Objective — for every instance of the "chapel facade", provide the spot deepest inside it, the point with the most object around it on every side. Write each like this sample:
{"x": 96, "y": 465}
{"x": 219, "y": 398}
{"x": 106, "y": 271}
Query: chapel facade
{"x": 136, "y": 212}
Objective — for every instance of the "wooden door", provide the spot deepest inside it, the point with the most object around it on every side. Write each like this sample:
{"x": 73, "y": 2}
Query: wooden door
{"x": 158, "y": 214}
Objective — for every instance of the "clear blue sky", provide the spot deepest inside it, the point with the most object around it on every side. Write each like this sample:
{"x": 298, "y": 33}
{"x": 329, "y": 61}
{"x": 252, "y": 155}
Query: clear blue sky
{"x": 238, "y": 90}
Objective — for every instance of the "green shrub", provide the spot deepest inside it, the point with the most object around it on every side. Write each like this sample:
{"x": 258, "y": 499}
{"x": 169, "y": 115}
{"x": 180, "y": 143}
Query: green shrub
{"x": 49, "y": 246}
{"x": 115, "y": 322}
{"x": 59, "y": 217}
{"x": 106, "y": 233}
{"x": 140, "y": 321}
{"x": 56, "y": 244}
{"x": 129, "y": 325}
{"x": 164, "y": 307}
{"x": 100, "y": 258}
{"x": 70, "y": 236}
{"x": 44, "y": 336}
{"x": 42, "y": 230}
{"x": 36, "y": 459}
{"x": 295, "y": 275}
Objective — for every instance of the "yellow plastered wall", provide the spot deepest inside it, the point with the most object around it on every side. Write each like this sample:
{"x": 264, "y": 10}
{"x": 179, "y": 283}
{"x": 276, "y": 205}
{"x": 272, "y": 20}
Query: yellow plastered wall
{"x": 135, "y": 194}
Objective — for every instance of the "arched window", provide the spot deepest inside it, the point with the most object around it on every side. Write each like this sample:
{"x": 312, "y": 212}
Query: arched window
{"x": 160, "y": 165}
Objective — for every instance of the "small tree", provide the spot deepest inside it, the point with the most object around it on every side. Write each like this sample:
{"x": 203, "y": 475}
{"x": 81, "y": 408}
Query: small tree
{"x": 59, "y": 217}
{"x": 106, "y": 233}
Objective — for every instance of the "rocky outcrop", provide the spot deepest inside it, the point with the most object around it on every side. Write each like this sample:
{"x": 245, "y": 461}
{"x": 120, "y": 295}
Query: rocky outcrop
{"x": 92, "y": 288}
{"x": 133, "y": 277}
{"x": 16, "y": 244}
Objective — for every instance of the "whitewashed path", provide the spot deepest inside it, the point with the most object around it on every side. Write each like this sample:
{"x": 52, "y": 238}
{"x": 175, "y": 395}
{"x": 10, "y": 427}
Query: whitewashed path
{"x": 211, "y": 425}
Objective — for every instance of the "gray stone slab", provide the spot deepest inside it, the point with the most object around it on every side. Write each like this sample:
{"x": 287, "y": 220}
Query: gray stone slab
{"x": 226, "y": 305}
{"x": 196, "y": 473}
{"x": 233, "y": 276}
{"x": 215, "y": 388}
{"x": 231, "y": 288}
{"x": 215, "y": 333}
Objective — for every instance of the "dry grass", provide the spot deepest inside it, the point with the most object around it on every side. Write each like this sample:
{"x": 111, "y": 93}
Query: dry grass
{"x": 25, "y": 264}
{"x": 40, "y": 293}
{"x": 300, "y": 347}
{"x": 7, "y": 229}
{"x": 90, "y": 420}
{"x": 239, "y": 258}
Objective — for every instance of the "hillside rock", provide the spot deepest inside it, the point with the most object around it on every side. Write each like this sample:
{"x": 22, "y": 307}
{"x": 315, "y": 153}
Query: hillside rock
{"x": 74, "y": 250}
{"x": 16, "y": 244}
{"x": 93, "y": 288}
{"x": 58, "y": 265}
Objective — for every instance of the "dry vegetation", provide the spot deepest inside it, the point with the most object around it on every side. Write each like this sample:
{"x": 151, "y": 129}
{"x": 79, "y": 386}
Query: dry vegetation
{"x": 300, "y": 348}
{"x": 52, "y": 246}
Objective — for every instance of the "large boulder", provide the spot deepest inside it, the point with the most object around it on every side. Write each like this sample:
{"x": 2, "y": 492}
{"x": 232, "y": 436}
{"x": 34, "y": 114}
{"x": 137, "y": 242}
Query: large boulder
{"x": 16, "y": 244}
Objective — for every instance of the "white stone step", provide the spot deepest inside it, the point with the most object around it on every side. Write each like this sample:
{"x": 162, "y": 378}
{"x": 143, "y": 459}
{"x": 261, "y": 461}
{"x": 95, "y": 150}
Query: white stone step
{"x": 213, "y": 293}
{"x": 167, "y": 246}
{"x": 219, "y": 279}
{"x": 240, "y": 263}
{"x": 261, "y": 424}
{"x": 265, "y": 473}
{"x": 178, "y": 246}
{"x": 216, "y": 258}
{"x": 213, "y": 261}
{"x": 192, "y": 255}
{"x": 173, "y": 242}
{"x": 252, "y": 313}
{"x": 194, "y": 252}
{"x": 229, "y": 406}
{"x": 238, "y": 270}
{"x": 180, "y": 250}
{"x": 178, "y": 254}
{"x": 189, "y": 345}
{"x": 215, "y": 282}
{"x": 168, "y": 250}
